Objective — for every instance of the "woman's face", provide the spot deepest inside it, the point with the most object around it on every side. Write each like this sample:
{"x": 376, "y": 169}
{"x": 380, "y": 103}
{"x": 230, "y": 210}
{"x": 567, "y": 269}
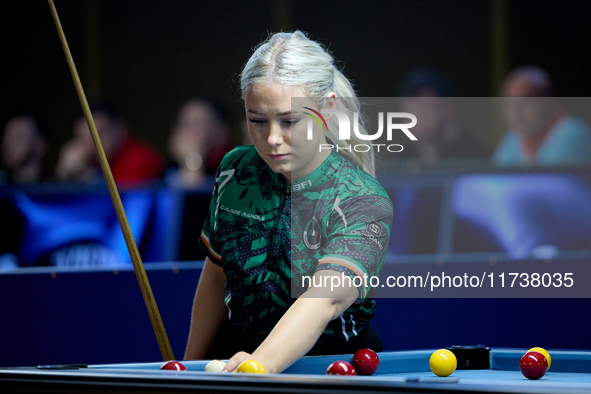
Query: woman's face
{"x": 196, "y": 130}
{"x": 279, "y": 133}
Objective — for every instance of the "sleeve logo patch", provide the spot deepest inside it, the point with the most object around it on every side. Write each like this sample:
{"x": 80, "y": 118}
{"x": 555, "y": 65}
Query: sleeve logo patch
{"x": 373, "y": 231}
{"x": 374, "y": 228}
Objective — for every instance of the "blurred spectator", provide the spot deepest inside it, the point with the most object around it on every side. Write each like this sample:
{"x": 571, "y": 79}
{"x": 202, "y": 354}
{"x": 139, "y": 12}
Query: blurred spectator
{"x": 426, "y": 94}
{"x": 130, "y": 159}
{"x": 24, "y": 145}
{"x": 198, "y": 142}
{"x": 540, "y": 132}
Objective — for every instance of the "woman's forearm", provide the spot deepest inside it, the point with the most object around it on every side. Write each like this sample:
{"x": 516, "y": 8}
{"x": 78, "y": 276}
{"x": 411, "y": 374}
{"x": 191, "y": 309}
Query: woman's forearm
{"x": 301, "y": 326}
{"x": 208, "y": 312}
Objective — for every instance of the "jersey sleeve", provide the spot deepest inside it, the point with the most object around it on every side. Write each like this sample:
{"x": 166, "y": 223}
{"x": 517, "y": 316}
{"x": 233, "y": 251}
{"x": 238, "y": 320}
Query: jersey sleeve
{"x": 359, "y": 232}
{"x": 209, "y": 241}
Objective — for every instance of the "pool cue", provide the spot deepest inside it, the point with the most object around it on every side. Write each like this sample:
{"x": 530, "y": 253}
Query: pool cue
{"x": 138, "y": 267}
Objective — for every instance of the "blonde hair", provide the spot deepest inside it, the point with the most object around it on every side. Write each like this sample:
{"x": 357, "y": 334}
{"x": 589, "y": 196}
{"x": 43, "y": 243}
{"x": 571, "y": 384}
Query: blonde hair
{"x": 292, "y": 59}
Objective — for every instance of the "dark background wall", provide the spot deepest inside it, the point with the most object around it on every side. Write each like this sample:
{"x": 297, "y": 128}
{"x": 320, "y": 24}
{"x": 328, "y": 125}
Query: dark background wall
{"x": 150, "y": 56}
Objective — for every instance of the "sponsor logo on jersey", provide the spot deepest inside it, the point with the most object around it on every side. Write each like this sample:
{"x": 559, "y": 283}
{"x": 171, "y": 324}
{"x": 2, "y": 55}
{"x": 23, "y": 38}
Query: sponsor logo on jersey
{"x": 243, "y": 214}
{"x": 374, "y": 228}
{"x": 373, "y": 231}
{"x": 302, "y": 185}
{"x": 312, "y": 237}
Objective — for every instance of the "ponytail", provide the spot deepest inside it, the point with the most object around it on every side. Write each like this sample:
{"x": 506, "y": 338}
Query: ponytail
{"x": 348, "y": 102}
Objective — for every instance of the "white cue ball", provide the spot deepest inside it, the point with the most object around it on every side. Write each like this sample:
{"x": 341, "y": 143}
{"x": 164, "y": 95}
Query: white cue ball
{"x": 215, "y": 366}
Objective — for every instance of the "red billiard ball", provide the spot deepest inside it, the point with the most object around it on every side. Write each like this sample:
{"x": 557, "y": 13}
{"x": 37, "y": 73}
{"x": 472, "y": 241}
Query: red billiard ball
{"x": 174, "y": 366}
{"x": 341, "y": 368}
{"x": 533, "y": 365}
{"x": 366, "y": 361}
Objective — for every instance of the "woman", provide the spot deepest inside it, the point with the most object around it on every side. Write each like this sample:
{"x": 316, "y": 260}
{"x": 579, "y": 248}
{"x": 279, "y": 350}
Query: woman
{"x": 283, "y": 210}
{"x": 198, "y": 142}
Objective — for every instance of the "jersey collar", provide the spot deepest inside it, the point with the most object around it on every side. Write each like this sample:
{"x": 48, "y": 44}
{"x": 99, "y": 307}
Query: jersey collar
{"x": 320, "y": 175}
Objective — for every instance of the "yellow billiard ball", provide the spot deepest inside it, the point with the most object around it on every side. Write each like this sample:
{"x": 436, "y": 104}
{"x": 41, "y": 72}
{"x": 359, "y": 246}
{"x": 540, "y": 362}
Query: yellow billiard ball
{"x": 443, "y": 362}
{"x": 215, "y": 366}
{"x": 251, "y": 366}
{"x": 544, "y": 352}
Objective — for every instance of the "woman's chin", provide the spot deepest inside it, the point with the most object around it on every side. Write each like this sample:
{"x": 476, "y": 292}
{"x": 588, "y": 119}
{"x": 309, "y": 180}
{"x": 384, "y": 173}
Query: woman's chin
{"x": 281, "y": 168}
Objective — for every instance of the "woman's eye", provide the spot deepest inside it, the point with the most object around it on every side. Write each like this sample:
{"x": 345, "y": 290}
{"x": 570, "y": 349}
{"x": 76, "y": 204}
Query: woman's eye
{"x": 257, "y": 120}
{"x": 290, "y": 122}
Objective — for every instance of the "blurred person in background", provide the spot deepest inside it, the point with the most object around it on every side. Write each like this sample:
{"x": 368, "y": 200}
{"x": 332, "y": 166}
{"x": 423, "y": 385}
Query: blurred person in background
{"x": 131, "y": 160}
{"x": 540, "y": 132}
{"x": 198, "y": 142}
{"x": 427, "y": 95}
{"x": 24, "y": 145}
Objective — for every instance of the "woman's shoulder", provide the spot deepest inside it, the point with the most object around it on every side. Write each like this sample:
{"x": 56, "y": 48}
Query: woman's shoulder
{"x": 359, "y": 183}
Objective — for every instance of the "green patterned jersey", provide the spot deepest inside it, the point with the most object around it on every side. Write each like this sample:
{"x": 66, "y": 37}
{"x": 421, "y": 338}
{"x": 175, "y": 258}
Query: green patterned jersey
{"x": 268, "y": 235}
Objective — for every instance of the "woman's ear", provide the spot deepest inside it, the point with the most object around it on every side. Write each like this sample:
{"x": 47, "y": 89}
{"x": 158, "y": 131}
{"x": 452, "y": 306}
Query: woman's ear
{"x": 330, "y": 103}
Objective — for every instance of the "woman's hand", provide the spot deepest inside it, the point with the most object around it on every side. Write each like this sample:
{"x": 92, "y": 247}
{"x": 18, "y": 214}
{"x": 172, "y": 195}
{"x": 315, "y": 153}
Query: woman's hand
{"x": 237, "y": 359}
{"x": 74, "y": 159}
{"x": 301, "y": 326}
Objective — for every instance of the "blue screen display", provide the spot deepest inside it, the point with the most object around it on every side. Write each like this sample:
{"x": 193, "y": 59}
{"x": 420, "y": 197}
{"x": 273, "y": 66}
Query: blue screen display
{"x": 521, "y": 214}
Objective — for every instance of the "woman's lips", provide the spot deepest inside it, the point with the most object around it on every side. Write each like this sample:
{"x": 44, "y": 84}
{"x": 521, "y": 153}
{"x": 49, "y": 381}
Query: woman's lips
{"x": 279, "y": 156}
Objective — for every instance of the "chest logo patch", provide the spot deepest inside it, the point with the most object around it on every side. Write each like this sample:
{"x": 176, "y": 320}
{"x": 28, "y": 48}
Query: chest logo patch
{"x": 312, "y": 235}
